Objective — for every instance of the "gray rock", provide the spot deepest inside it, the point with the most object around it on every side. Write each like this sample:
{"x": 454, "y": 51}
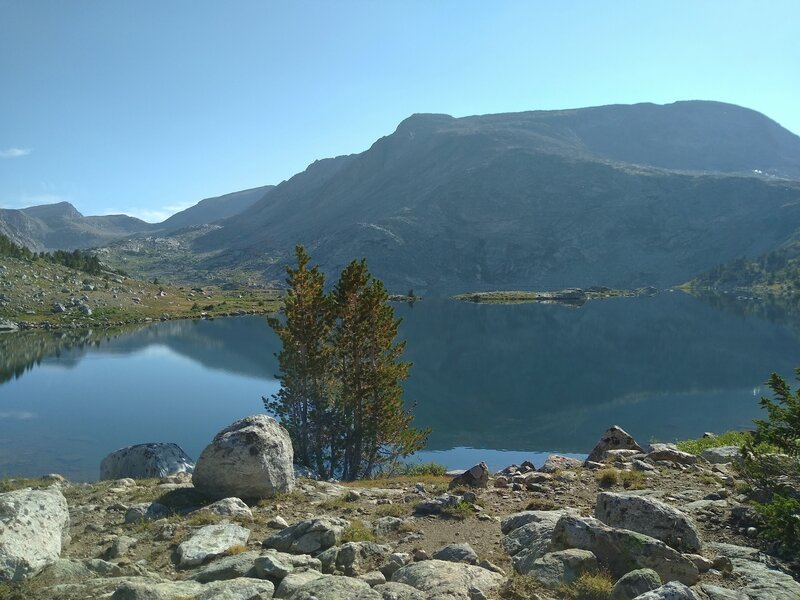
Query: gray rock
{"x": 462, "y": 553}
{"x": 442, "y": 579}
{"x": 331, "y": 587}
{"x": 562, "y": 567}
{"x": 277, "y": 565}
{"x": 373, "y": 578}
{"x": 312, "y": 535}
{"x": 228, "y": 507}
{"x": 386, "y": 525}
{"x": 146, "y": 511}
{"x": 436, "y": 505}
{"x": 634, "y": 583}
{"x": 294, "y": 581}
{"x": 228, "y": 567}
{"x": 714, "y": 592}
{"x": 277, "y": 523}
{"x": 399, "y": 591}
{"x": 8, "y": 326}
{"x": 650, "y": 517}
{"x": 670, "y": 453}
{"x": 532, "y": 540}
{"x": 556, "y": 462}
{"x": 356, "y": 558}
{"x": 702, "y": 563}
{"x": 211, "y": 541}
{"x": 673, "y": 590}
{"x": 238, "y": 589}
{"x": 723, "y": 454}
{"x": 615, "y": 438}
{"x": 477, "y": 477}
{"x": 621, "y": 551}
{"x": 252, "y": 458}
{"x": 121, "y": 546}
{"x": 129, "y": 590}
{"x": 764, "y": 583}
{"x": 396, "y": 561}
{"x": 34, "y": 527}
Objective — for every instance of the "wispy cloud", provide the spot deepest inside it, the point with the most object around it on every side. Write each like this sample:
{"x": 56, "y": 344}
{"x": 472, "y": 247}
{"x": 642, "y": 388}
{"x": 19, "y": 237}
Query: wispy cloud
{"x": 15, "y": 152}
{"x": 151, "y": 215}
{"x": 20, "y": 415}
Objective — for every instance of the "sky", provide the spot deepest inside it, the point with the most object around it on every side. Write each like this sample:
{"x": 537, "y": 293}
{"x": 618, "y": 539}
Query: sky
{"x": 145, "y": 107}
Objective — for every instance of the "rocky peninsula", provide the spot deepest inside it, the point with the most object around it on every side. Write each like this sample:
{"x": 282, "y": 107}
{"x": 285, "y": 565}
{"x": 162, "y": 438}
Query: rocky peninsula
{"x": 567, "y": 296}
{"x": 629, "y": 522}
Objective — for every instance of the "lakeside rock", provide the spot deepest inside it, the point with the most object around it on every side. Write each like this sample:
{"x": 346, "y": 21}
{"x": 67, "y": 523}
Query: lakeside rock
{"x": 615, "y": 438}
{"x": 252, "y": 458}
{"x": 146, "y": 460}
{"x": 34, "y": 527}
{"x": 369, "y": 539}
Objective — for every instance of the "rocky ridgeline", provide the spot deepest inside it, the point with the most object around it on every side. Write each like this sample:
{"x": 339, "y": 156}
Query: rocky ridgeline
{"x": 239, "y": 525}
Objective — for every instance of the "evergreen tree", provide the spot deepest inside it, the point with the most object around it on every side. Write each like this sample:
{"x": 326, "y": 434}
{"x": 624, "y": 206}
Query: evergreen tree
{"x": 375, "y": 427}
{"x": 341, "y": 397}
{"x": 303, "y": 404}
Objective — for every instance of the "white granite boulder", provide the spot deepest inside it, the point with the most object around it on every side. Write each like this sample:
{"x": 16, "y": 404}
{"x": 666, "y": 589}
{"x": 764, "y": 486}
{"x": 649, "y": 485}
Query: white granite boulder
{"x": 650, "y": 517}
{"x": 211, "y": 541}
{"x": 146, "y": 460}
{"x": 250, "y": 459}
{"x": 34, "y": 527}
{"x": 442, "y": 579}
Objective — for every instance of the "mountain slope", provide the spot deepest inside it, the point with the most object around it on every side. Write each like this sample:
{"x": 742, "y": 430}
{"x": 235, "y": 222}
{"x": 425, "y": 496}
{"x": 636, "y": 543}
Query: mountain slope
{"x": 214, "y": 209}
{"x": 61, "y": 227}
{"x": 618, "y": 195}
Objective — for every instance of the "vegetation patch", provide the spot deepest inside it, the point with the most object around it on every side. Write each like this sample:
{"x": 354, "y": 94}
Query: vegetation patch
{"x": 461, "y": 511}
{"x": 357, "y": 531}
{"x": 589, "y": 586}
{"x": 607, "y": 477}
{"x": 729, "y": 438}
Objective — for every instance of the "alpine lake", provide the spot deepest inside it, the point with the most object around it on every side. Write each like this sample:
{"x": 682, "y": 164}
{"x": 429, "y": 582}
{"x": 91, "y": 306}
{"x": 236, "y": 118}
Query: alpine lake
{"x": 501, "y": 383}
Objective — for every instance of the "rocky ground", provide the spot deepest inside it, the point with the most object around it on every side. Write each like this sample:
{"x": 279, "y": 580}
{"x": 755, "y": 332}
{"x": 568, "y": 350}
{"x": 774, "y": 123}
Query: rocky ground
{"x": 654, "y": 517}
{"x": 42, "y": 294}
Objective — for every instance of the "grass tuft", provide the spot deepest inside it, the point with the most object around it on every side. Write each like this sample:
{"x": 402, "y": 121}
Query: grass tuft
{"x": 357, "y": 531}
{"x": 633, "y": 480}
{"x": 607, "y": 477}
{"x": 589, "y": 586}
{"x": 460, "y": 511}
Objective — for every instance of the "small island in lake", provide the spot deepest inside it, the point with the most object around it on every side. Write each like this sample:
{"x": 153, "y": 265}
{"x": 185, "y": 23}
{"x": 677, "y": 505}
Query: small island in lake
{"x": 567, "y": 296}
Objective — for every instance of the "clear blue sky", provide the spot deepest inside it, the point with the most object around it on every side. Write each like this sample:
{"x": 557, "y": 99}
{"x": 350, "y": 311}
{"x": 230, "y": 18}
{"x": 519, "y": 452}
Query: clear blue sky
{"x": 146, "y": 107}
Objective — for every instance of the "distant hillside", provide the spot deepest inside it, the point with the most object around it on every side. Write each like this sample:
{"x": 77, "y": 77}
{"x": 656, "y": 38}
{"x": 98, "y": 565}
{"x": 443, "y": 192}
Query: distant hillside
{"x": 61, "y": 227}
{"x": 623, "y": 196}
{"x": 214, "y": 209}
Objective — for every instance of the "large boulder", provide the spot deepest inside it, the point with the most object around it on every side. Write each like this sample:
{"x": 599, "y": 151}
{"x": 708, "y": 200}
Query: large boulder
{"x": 331, "y": 587}
{"x": 673, "y": 590}
{"x": 34, "y": 527}
{"x": 277, "y": 565}
{"x": 650, "y": 517}
{"x": 146, "y": 460}
{"x": 454, "y": 581}
{"x": 463, "y": 553}
{"x": 294, "y": 581}
{"x": 615, "y": 438}
{"x": 477, "y": 477}
{"x": 529, "y": 536}
{"x": 634, "y": 583}
{"x": 211, "y": 541}
{"x": 309, "y": 536}
{"x": 562, "y": 567}
{"x": 250, "y": 459}
{"x": 723, "y": 454}
{"x": 556, "y": 462}
{"x": 670, "y": 453}
{"x": 621, "y": 551}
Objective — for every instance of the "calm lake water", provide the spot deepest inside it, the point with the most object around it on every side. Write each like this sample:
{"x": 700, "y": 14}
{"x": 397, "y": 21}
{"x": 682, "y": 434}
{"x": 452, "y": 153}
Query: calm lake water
{"x": 499, "y": 383}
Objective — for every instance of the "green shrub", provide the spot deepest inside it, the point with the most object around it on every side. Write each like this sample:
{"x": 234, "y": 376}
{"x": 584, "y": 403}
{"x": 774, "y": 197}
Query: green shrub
{"x": 632, "y": 480}
{"x": 460, "y": 511}
{"x": 357, "y": 531}
{"x": 590, "y": 586}
{"x": 782, "y": 519}
{"x": 607, "y": 477}
{"x": 729, "y": 438}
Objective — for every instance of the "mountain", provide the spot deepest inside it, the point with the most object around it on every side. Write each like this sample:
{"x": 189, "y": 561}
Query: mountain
{"x": 214, "y": 209}
{"x": 614, "y": 195}
{"x": 61, "y": 227}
